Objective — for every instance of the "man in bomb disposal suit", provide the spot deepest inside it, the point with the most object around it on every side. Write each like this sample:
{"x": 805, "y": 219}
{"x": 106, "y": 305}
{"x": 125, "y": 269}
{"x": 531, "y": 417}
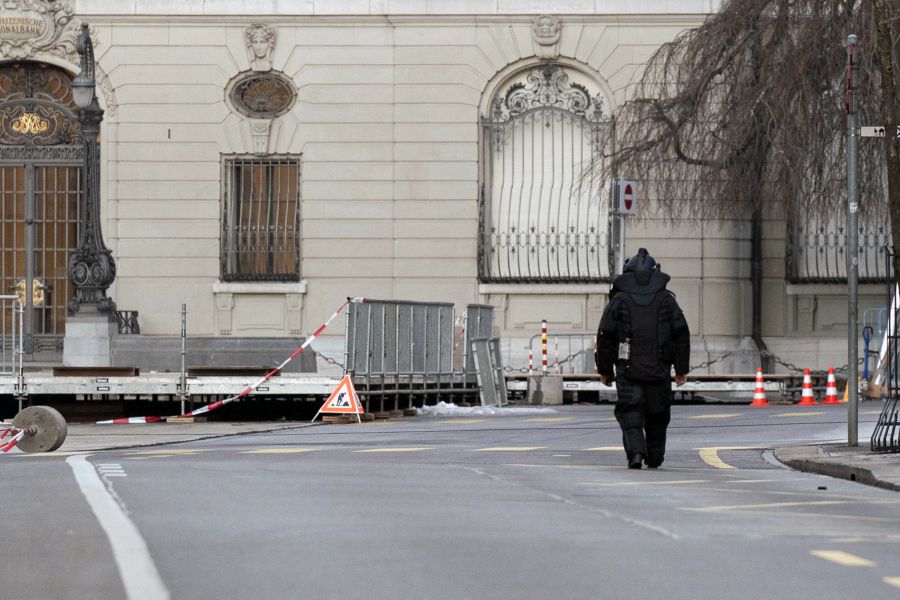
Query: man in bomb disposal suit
{"x": 643, "y": 333}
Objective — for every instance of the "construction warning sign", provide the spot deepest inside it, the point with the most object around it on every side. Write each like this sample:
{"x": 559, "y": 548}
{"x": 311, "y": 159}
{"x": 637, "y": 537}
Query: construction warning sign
{"x": 343, "y": 400}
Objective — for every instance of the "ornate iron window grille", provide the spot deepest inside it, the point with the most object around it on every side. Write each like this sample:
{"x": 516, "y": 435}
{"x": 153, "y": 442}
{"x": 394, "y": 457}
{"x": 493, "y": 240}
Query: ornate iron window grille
{"x": 544, "y": 216}
{"x": 261, "y": 220}
{"x": 816, "y": 249}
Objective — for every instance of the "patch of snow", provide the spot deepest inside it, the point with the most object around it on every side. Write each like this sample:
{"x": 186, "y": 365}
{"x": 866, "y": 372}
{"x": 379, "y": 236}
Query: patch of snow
{"x": 442, "y": 409}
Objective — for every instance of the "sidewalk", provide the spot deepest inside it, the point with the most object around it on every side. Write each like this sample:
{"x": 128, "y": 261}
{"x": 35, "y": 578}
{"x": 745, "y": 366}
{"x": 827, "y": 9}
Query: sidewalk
{"x": 92, "y": 438}
{"x": 844, "y": 462}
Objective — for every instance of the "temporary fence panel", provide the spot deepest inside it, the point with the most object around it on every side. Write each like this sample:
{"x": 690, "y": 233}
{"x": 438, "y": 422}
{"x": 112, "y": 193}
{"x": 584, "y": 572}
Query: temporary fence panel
{"x": 479, "y": 324}
{"x": 392, "y": 337}
{"x": 489, "y": 371}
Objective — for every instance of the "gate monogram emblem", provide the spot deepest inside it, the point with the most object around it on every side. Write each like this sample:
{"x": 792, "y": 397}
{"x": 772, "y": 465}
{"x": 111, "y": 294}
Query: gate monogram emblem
{"x": 30, "y": 123}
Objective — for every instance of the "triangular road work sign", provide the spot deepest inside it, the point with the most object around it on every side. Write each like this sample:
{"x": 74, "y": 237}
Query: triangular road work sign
{"x": 343, "y": 400}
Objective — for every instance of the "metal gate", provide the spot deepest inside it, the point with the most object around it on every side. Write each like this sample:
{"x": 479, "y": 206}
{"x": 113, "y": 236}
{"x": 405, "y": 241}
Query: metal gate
{"x": 886, "y": 435}
{"x": 40, "y": 197}
{"x": 544, "y": 214}
{"x": 39, "y": 214}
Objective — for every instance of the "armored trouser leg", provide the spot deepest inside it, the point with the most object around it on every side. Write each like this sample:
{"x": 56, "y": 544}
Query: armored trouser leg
{"x": 630, "y": 413}
{"x": 658, "y": 413}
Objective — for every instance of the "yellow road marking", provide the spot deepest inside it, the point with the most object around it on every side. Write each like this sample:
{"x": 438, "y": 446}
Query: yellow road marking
{"x": 547, "y": 419}
{"x": 894, "y": 581}
{"x": 805, "y": 413}
{"x": 510, "y": 449}
{"x": 629, "y": 483}
{"x": 605, "y": 449}
{"x": 767, "y": 505}
{"x": 843, "y": 558}
{"x": 716, "y": 416}
{"x": 418, "y": 449}
{"x": 462, "y": 421}
{"x": 279, "y": 451}
{"x": 711, "y": 457}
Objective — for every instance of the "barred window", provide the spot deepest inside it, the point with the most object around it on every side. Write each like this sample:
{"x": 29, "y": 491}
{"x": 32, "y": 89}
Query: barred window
{"x": 544, "y": 216}
{"x": 817, "y": 247}
{"x": 261, "y": 220}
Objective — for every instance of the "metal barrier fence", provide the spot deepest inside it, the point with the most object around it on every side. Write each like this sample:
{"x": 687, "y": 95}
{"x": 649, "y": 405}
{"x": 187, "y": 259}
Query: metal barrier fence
{"x": 396, "y": 348}
{"x": 10, "y": 334}
{"x": 886, "y": 435}
{"x": 570, "y": 351}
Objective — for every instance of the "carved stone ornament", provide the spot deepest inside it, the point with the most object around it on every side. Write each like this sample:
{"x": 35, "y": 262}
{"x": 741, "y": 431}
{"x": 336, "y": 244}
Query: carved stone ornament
{"x": 260, "y": 40}
{"x": 31, "y": 26}
{"x": 259, "y": 130}
{"x": 548, "y": 85}
{"x": 262, "y": 95}
{"x": 545, "y": 32}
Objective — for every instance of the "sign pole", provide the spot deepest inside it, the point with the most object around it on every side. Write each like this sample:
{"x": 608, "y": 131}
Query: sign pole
{"x": 852, "y": 250}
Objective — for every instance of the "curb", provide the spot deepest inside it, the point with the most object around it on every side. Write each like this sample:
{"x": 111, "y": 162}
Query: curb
{"x": 800, "y": 459}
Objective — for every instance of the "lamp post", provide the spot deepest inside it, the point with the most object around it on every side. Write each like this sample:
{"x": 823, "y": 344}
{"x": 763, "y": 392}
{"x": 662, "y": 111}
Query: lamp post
{"x": 91, "y": 267}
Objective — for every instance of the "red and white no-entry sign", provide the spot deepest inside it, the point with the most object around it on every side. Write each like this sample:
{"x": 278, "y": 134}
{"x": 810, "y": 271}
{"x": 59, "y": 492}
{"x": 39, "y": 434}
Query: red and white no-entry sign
{"x": 627, "y": 196}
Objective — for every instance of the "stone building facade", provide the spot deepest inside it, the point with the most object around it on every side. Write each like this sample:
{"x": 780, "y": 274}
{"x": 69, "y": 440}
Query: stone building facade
{"x": 263, "y": 160}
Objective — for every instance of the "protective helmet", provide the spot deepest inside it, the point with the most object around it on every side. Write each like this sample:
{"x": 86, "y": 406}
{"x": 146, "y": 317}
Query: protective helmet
{"x": 641, "y": 262}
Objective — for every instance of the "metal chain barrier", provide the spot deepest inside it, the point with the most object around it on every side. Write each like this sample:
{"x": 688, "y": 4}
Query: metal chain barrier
{"x": 712, "y": 361}
{"x": 794, "y": 368}
{"x": 329, "y": 360}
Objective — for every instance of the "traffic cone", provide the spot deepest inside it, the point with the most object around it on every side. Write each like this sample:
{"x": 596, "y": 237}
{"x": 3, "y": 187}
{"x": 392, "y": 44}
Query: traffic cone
{"x": 831, "y": 396}
{"x": 759, "y": 394}
{"x": 807, "y": 398}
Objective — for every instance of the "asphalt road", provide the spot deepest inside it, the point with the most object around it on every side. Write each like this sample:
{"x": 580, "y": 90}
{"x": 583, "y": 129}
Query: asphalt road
{"x": 518, "y": 506}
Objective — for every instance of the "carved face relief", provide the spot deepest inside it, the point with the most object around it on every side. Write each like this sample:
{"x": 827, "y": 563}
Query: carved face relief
{"x": 545, "y": 31}
{"x": 260, "y": 40}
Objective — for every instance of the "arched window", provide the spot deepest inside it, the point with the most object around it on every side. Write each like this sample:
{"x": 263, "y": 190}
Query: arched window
{"x": 543, "y": 213}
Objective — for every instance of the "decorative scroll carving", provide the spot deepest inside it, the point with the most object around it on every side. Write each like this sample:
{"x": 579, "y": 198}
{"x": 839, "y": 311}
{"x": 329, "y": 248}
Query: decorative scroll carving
{"x": 36, "y": 106}
{"x": 263, "y": 96}
{"x": 548, "y": 86}
{"x": 67, "y": 154}
{"x": 545, "y": 32}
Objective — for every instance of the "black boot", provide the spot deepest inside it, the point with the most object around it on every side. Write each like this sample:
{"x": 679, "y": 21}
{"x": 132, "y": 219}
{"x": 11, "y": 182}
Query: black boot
{"x": 653, "y": 462}
{"x": 636, "y": 461}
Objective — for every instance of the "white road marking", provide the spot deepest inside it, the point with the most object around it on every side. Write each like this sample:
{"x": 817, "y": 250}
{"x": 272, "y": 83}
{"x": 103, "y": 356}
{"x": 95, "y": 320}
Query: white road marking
{"x": 416, "y": 449}
{"x": 136, "y": 567}
{"x": 781, "y": 505}
{"x": 605, "y": 449}
{"x": 843, "y": 558}
{"x": 631, "y": 483}
{"x": 510, "y": 449}
{"x": 279, "y": 451}
{"x": 894, "y": 581}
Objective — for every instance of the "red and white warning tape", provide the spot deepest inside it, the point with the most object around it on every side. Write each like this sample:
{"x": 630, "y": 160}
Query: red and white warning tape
{"x": 6, "y": 447}
{"x": 249, "y": 389}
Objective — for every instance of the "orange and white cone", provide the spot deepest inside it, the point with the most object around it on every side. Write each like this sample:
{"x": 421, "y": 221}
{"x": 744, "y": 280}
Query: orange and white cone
{"x": 831, "y": 395}
{"x": 806, "y": 397}
{"x": 759, "y": 394}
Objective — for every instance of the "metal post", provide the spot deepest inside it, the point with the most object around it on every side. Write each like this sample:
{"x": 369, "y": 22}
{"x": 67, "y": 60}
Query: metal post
{"x": 20, "y": 308}
{"x": 620, "y": 225}
{"x": 91, "y": 267}
{"x": 182, "y": 382}
{"x": 852, "y": 249}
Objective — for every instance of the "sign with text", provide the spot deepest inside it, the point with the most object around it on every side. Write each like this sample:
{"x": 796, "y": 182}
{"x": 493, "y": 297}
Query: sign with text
{"x": 876, "y": 131}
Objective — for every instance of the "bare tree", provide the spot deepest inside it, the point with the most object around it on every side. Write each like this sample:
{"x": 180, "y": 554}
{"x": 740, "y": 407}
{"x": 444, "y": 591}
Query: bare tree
{"x": 744, "y": 116}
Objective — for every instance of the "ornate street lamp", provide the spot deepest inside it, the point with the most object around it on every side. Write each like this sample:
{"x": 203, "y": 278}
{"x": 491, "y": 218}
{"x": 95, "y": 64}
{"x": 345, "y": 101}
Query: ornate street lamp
{"x": 91, "y": 268}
